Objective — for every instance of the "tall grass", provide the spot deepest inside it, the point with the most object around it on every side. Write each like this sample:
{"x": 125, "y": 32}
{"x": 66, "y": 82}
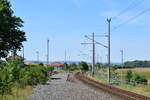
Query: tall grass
{"x": 18, "y": 94}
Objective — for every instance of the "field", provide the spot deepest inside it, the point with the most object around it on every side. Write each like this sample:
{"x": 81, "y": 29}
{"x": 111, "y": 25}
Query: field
{"x": 143, "y": 71}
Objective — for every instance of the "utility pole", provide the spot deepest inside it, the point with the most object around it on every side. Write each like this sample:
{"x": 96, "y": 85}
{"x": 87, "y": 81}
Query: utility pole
{"x": 69, "y": 58}
{"x": 93, "y": 51}
{"x": 109, "y": 21}
{"x": 93, "y": 55}
{"x": 65, "y": 56}
{"x": 94, "y": 42}
{"x": 121, "y": 64}
{"x": 47, "y": 52}
{"x": 37, "y": 56}
{"x": 65, "y": 59}
{"x": 122, "y": 60}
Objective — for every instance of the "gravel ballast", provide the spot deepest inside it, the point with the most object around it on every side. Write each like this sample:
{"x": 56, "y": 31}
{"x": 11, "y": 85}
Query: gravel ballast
{"x": 61, "y": 89}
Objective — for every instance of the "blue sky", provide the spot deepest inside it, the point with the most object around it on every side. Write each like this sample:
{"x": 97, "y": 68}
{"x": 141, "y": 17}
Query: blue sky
{"x": 65, "y": 22}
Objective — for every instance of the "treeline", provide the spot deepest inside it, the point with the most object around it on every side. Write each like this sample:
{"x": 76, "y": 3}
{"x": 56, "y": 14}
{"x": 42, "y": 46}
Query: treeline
{"x": 128, "y": 64}
{"x": 136, "y": 64}
{"x": 84, "y": 66}
{"x": 77, "y": 66}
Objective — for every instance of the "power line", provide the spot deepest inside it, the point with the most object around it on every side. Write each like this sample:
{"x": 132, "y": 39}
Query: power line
{"x": 131, "y": 6}
{"x": 131, "y": 19}
{"x": 97, "y": 42}
{"x": 84, "y": 55}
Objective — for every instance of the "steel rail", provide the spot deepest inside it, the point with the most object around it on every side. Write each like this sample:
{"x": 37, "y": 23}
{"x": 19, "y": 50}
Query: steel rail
{"x": 127, "y": 95}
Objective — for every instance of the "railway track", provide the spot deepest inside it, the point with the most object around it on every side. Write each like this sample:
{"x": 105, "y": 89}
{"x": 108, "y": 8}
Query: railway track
{"x": 62, "y": 88}
{"x": 126, "y": 95}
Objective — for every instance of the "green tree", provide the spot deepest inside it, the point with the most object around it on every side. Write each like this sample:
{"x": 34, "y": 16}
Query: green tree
{"x": 67, "y": 67}
{"x": 129, "y": 75}
{"x": 84, "y": 66}
{"x": 11, "y": 36}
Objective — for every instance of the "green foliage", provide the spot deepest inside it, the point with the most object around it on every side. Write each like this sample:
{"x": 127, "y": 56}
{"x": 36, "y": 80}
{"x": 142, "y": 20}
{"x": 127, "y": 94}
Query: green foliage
{"x": 71, "y": 67}
{"x": 74, "y": 66}
{"x": 8, "y": 75}
{"x": 13, "y": 76}
{"x": 128, "y": 76}
{"x": 136, "y": 63}
{"x": 32, "y": 76}
{"x": 115, "y": 67}
{"x": 41, "y": 64}
{"x": 67, "y": 67}
{"x": 50, "y": 68}
{"x": 11, "y": 36}
{"x": 84, "y": 66}
{"x": 139, "y": 79}
{"x": 135, "y": 78}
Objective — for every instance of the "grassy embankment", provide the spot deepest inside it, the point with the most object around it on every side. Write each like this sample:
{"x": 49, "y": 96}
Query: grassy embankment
{"x": 140, "y": 89}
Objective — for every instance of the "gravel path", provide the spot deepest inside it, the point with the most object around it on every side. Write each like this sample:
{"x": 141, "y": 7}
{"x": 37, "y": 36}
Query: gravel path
{"x": 60, "y": 89}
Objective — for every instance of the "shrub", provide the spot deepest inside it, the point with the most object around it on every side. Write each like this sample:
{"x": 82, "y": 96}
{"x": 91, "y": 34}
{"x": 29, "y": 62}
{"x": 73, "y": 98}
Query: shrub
{"x": 13, "y": 76}
{"x": 50, "y": 68}
{"x": 8, "y": 75}
{"x": 128, "y": 76}
{"x": 84, "y": 66}
{"x": 139, "y": 79}
{"x": 135, "y": 78}
{"x": 6, "y": 80}
{"x": 36, "y": 75}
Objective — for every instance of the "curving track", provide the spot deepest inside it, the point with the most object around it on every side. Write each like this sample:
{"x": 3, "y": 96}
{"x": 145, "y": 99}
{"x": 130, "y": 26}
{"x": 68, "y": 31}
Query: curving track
{"x": 127, "y": 95}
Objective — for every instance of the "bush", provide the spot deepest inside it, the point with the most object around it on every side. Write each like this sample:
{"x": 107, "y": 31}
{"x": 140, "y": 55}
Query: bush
{"x": 128, "y": 76}
{"x": 8, "y": 75}
{"x": 36, "y": 75}
{"x": 84, "y": 66}
{"x": 6, "y": 80}
{"x": 139, "y": 79}
{"x": 13, "y": 76}
{"x": 50, "y": 68}
{"x": 135, "y": 78}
